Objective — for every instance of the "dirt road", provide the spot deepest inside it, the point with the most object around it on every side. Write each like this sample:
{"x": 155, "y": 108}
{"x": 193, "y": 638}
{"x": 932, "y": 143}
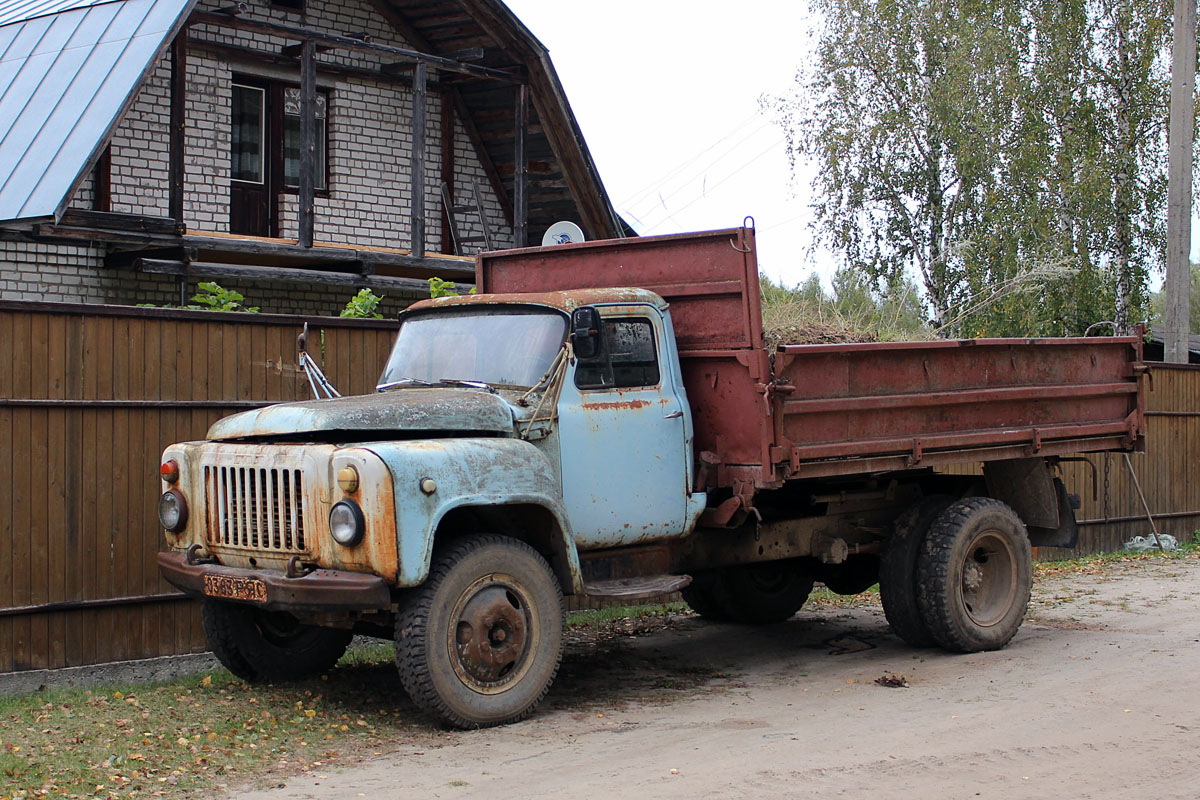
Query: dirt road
{"x": 1096, "y": 698}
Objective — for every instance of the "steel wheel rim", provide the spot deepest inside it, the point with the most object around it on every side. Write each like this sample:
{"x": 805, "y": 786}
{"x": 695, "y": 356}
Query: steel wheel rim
{"x": 987, "y": 583}
{"x": 492, "y": 631}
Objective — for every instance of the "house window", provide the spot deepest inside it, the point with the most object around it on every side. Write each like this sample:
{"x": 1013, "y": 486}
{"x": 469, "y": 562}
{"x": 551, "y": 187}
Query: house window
{"x": 248, "y": 122}
{"x": 290, "y": 5}
{"x": 291, "y": 139}
{"x": 264, "y": 152}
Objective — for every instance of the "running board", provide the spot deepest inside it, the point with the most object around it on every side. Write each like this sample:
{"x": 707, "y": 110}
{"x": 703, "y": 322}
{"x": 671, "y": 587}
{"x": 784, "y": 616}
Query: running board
{"x": 637, "y": 588}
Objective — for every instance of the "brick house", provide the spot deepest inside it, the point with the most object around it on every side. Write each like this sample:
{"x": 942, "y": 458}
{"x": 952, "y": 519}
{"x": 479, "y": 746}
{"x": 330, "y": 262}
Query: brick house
{"x": 149, "y": 144}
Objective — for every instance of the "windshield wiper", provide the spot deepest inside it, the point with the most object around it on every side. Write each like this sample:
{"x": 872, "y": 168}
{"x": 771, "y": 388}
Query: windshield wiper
{"x": 459, "y": 382}
{"x": 403, "y": 382}
{"x": 439, "y": 382}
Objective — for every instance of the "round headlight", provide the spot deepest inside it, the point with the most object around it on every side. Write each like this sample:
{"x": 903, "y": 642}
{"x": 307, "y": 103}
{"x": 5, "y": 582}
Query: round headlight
{"x": 172, "y": 510}
{"x": 346, "y": 523}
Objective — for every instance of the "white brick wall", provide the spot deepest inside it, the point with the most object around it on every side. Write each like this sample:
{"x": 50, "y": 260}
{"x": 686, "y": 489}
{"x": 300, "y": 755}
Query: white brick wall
{"x": 75, "y": 274}
{"x": 369, "y": 148}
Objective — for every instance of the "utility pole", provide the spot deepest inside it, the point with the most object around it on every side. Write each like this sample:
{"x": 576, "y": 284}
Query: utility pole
{"x": 1179, "y": 184}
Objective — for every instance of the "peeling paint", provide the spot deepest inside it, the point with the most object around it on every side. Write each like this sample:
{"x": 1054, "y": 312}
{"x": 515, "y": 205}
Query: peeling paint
{"x": 631, "y": 405}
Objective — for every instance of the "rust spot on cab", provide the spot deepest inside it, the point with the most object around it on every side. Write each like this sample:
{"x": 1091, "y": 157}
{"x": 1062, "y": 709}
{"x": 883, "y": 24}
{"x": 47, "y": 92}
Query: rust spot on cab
{"x": 632, "y": 405}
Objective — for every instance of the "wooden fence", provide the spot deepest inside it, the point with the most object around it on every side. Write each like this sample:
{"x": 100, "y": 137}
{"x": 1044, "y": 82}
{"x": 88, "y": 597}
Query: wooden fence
{"x": 1168, "y": 472}
{"x": 90, "y": 396}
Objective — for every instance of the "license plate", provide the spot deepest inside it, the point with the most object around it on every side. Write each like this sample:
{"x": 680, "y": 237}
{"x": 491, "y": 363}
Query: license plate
{"x": 230, "y": 588}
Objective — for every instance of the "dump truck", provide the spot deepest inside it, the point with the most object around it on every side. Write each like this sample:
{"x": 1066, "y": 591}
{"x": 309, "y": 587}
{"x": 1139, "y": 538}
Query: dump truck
{"x": 604, "y": 419}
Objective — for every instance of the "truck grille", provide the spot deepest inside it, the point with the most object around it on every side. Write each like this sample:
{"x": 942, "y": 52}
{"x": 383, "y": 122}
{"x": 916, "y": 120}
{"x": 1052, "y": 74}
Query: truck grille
{"x": 255, "y": 509}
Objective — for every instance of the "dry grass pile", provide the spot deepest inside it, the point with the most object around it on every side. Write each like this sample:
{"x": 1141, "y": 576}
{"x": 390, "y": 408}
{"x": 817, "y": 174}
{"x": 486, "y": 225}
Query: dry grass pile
{"x": 788, "y": 319}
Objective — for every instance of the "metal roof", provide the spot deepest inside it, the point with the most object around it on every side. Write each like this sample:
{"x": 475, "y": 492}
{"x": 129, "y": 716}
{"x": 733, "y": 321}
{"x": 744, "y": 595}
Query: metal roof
{"x": 20, "y": 10}
{"x": 66, "y": 78}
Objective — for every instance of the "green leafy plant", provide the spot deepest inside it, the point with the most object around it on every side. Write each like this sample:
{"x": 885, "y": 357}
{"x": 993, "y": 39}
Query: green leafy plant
{"x": 214, "y": 297}
{"x": 363, "y": 305}
{"x": 211, "y": 297}
{"x": 441, "y": 288}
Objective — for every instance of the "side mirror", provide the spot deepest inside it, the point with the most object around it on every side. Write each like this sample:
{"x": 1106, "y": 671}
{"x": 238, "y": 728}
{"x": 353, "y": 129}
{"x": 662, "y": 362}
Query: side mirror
{"x": 585, "y": 332}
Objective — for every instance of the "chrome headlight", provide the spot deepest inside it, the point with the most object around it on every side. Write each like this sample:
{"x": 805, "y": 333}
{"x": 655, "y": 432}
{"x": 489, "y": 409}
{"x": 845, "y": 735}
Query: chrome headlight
{"x": 346, "y": 523}
{"x": 172, "y": 510}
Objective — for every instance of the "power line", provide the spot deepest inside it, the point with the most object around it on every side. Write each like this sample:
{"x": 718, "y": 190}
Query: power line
{"x": 693, "y": 201}
{"x": 654, "y": 184}
{"x": 705, "y": 166}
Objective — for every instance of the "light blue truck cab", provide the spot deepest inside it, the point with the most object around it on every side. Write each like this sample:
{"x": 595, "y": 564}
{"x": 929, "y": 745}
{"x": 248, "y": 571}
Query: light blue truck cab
{"x": 508, "y": 435}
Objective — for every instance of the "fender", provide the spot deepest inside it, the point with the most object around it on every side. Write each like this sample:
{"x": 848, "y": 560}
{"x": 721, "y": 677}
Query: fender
{"x": 469, "y": 472}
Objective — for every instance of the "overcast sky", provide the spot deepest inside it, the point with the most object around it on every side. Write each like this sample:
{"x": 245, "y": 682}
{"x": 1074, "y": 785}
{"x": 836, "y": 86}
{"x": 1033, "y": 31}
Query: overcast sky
{"x": 666, "y": 93}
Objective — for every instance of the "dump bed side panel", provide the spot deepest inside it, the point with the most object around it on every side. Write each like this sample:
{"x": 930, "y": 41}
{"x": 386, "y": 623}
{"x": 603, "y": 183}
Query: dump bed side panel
{"x": 710, "y": 279}
{"x": 868, "y": 407}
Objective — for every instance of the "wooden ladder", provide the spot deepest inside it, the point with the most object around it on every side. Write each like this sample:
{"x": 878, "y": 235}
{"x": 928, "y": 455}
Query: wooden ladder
{"x": 452, "y": 211}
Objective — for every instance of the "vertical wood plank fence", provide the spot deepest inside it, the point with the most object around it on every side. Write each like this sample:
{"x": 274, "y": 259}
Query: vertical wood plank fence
{"x": 89, "y": 397}
{"x": 1169, "y": 471}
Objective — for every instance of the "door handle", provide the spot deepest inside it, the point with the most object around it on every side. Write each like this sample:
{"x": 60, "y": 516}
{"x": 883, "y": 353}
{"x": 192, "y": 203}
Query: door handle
{"x": 674, "y": 415}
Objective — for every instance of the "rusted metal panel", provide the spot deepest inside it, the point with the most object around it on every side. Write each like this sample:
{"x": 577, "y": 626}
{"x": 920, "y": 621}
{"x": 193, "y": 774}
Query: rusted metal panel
{"x": 485, "y": 473}
{"x": 922, "y": 401}
{"x": 710, "y": 279}
{"x": 319, "y": 590}
{"x": 413, "y": 409}
{"x": 258, "y": 505}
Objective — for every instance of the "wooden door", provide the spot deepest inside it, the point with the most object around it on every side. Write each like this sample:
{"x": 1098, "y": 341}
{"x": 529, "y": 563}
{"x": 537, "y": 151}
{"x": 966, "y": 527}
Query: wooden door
{"x": 249, "y": 178}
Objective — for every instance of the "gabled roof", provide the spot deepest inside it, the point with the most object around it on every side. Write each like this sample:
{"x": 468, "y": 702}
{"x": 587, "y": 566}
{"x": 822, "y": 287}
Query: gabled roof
{"x": 69, "y": 70}
{"x": 563, "y": 178}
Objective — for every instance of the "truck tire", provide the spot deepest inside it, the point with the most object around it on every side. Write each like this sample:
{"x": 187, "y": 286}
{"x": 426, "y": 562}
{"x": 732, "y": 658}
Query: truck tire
{"x": 975, "y": 573}
{"x": 898, "y": 570}
{"x": 706, "y": 596}
{"x": 257, "y": 645}
{"x": 479, "y": 643}
{"x": 755, "y": 594}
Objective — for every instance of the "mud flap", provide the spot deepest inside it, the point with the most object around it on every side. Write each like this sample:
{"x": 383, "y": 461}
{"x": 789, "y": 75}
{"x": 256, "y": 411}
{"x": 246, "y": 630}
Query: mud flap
{"x": 1067, "y": 532}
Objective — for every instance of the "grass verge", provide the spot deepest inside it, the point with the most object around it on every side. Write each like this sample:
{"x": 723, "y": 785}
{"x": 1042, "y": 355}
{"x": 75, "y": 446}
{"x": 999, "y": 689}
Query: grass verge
{"x": 211, "y": 731}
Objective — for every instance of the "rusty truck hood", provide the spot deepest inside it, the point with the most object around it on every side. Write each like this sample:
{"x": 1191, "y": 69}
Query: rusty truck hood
{"x": 411, "y": 409}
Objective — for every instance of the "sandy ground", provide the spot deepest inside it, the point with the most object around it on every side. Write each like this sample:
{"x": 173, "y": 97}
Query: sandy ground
{"x": 1095, "y": 698}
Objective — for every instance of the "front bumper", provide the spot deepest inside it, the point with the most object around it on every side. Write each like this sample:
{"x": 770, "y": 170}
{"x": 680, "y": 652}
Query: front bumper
{"x": 319, "y": 590}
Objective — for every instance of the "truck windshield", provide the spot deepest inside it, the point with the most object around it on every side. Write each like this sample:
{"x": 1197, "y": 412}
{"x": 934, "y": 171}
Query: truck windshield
{"x": 503, "y": 347}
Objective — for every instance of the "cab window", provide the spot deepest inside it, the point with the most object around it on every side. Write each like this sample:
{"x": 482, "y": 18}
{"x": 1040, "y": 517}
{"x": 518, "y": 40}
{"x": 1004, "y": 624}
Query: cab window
{"x": 627, "y": 358}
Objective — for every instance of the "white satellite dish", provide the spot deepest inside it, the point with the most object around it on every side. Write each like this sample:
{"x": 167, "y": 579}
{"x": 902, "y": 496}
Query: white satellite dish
{"x": 562, "y": 233}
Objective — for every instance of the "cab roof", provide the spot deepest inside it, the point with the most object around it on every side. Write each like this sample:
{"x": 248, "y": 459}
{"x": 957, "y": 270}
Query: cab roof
{"x": 566, "y": 301}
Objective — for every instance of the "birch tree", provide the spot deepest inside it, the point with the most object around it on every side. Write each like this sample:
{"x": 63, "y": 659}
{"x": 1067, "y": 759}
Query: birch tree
{"x": 1012, "y": 155}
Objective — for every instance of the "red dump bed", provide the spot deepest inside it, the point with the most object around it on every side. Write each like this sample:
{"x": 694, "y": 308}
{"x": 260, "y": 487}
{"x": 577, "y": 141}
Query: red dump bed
{"x": 842, "y": 409}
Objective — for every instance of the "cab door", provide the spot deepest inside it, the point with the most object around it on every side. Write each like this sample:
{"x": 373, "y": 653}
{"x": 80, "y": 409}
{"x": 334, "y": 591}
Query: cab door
{"x": 623, "y": 427}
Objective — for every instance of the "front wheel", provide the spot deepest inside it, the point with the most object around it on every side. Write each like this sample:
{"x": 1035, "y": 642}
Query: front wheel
{"x": 479, "y": 643}
{"x": 975, "y": 574}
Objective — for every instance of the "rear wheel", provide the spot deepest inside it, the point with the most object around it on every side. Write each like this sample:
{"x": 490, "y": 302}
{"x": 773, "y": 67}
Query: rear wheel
{"x": 898, "y": 570}
{"x": 479, "y": 643}
{"x": 258, "y": 645}
{"x": 706, "y": 596}
{"x": 771, "y": 591}
{"x": 975, "y": 575}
